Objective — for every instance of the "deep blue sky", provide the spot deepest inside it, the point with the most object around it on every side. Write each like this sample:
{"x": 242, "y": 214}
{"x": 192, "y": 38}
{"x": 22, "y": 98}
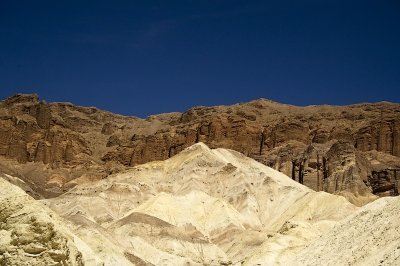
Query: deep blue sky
{"x": 146, "y": 57}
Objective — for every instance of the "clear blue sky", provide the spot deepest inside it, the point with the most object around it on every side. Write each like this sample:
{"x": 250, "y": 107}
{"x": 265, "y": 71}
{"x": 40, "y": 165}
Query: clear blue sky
{"x": 146, "y": 57}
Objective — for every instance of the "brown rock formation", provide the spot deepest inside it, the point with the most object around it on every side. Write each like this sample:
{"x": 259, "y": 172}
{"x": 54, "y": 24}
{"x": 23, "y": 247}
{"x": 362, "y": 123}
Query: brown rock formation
{"x": 67, "y": 139}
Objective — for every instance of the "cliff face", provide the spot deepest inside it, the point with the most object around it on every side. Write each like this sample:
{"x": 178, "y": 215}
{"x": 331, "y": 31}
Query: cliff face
{"x": 94, "y": 143}
{"x": 258, "y": 127}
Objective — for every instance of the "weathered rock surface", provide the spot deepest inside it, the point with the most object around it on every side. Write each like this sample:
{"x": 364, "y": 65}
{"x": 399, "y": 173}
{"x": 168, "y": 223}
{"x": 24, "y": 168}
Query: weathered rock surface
{"x": 67, "y": 140}
{"x": 31, "y": 234}
{"x": 370, "y": 236}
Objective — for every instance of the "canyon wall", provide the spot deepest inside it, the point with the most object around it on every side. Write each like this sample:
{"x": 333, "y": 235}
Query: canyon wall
{"x": 95, "y": 142}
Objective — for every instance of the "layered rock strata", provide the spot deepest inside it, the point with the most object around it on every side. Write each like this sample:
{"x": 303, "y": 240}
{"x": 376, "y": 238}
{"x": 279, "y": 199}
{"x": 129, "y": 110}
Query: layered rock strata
{"x": 46, "y": 139}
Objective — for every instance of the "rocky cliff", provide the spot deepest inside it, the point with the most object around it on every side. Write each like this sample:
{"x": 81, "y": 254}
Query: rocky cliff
{"x": 54, "y": 145}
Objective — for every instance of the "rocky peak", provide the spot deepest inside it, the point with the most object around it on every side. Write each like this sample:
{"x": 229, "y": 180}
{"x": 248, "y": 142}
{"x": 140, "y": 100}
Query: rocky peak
{"x": 22, "y": 98}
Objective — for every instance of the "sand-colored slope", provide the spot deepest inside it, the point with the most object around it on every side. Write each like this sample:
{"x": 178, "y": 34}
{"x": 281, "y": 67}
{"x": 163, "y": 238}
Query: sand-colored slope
{"x": 206, "y": 213}
{"x": 370, "y": 236}
{"x": 203, "y": 205}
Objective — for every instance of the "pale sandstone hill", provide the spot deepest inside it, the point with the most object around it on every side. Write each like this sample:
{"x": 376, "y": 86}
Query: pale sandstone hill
{"x": 200, "y": 206}
{"x": 50, "y": 144}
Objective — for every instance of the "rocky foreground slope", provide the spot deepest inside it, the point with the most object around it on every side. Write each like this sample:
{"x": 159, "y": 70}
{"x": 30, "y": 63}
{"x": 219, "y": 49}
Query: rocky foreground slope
{"x": 201, "y": 207}
{"x": 350, "y": 150}
{"x": 31, "y": 234}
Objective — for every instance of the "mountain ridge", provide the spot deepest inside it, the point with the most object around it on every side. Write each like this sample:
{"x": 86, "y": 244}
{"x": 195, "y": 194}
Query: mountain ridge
{"x": 35, "y": 95}
{"x": 62, "y": 142}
